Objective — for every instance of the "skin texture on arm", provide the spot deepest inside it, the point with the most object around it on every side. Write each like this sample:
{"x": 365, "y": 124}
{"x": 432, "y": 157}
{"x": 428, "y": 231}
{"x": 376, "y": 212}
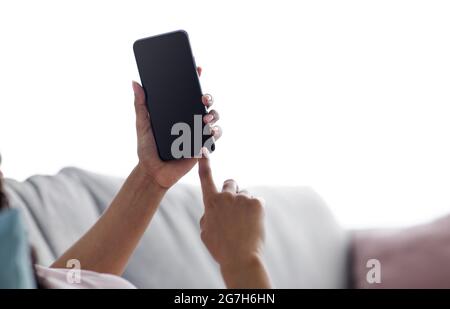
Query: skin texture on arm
{"x": 232, "y": 228}
{"x": 108, "y": 245}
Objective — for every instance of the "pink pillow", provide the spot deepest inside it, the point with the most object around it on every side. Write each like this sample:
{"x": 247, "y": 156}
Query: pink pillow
{"x": 416, "y": 257}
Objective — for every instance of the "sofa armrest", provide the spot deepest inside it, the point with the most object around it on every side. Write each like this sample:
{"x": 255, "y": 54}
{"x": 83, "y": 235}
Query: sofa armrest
{"x": 414, "y": 257}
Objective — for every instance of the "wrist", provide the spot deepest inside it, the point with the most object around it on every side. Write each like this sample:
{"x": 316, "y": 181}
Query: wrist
{"x": 148, "y": 179}
{"x": 245, "y": 272}
{"x": 237, "y": 263}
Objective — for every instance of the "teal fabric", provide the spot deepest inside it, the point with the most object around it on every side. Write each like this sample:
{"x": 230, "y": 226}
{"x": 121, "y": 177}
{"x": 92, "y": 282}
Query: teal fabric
{"x": 15, "y": 264}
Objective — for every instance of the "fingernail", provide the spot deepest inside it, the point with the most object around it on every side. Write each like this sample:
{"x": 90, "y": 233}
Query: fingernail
{"x": 205, "y": 152}
{"x": 208, "y": 99}
{"x": 209, "y": 117}
{"x": 135, "y": 86}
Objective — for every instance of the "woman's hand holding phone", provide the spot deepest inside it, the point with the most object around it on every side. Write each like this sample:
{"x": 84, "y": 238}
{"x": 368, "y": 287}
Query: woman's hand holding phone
{"x": 232, "y": 228}
{"x": 108, "y": 245}
{"x": 163, "y": 173}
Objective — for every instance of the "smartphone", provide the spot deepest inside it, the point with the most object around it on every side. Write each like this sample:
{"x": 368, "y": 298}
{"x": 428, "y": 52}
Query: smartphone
{"x": 173, "y": 94}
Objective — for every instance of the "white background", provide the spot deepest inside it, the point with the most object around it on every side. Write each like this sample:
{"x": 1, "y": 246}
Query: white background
{"x": 349, "y": 97}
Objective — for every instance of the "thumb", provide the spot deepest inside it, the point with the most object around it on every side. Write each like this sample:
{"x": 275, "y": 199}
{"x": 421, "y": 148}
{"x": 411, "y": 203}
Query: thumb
{"x": 205, "y": 174}
{"x": 142, "y": 117}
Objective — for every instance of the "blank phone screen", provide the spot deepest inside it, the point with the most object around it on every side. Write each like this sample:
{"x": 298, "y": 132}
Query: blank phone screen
{"x": 173, "y": 93}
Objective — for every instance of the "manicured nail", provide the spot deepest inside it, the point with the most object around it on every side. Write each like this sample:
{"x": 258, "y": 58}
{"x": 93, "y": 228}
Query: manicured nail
{"x": 208, "y": 117}
{"x": 205, "y": 152}
{"x": 207, "y": 99}
{"x": 135, "y": 86}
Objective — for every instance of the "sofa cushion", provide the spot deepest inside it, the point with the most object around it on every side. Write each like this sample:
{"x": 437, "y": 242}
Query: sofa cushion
{"x": 305, "y": 247}
{"x": 57, "y": 211}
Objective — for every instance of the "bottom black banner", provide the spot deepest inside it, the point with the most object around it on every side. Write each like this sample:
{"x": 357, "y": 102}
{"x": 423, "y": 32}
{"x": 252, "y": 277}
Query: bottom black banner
{"x": 224, "y": 298}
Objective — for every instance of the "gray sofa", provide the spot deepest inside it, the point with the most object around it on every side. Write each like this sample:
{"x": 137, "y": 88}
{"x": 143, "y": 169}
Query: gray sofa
{"x": 305, "y": 247}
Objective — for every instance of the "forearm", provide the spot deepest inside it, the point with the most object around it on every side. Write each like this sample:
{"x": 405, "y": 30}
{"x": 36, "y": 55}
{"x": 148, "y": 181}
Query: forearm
{"x": 108, "y": 245}
{"x": 249, "y": 274}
